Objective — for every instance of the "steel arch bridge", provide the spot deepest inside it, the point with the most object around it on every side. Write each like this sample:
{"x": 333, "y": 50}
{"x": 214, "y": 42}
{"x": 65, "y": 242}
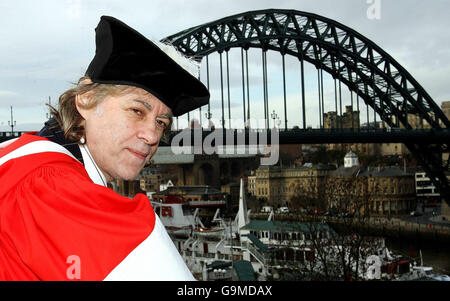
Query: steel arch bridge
{"x": 347, "y": 56}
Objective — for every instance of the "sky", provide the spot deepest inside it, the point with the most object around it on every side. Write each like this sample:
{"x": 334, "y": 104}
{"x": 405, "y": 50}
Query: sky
{"x": 46, "y": 46}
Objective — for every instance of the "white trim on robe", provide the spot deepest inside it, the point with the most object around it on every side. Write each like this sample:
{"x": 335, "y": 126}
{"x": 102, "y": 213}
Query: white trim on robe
{"x": 91, "y": 167}
{"x": 34, "y": 148}
{"x": 155, "y": 259}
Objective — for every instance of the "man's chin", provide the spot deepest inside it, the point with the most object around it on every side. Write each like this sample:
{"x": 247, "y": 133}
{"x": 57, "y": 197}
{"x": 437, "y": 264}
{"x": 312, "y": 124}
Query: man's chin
{"x": 128, "y": 176}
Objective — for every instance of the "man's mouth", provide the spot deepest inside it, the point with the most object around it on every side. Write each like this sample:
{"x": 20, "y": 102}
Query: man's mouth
{"x": 138, "y": 154}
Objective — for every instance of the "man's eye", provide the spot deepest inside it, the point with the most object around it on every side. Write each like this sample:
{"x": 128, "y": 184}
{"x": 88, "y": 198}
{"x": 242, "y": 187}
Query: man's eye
{"x": 161, "y": 123}
{"x": 137, "y": 111}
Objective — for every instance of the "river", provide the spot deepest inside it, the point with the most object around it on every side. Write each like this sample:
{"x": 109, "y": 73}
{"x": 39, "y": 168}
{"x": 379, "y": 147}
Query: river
{"x": 433, "y": 254}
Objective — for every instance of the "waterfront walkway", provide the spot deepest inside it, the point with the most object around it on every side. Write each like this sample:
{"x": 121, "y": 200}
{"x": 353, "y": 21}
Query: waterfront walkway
{"x": 425, "y": 227}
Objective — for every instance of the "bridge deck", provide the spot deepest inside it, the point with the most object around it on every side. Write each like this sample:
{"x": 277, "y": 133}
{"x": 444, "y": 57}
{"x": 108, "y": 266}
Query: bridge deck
{"x": 318, "y": 136}
{"x": 313, "y": 136}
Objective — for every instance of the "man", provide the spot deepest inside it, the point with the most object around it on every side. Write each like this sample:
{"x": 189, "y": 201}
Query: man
{"x": 58, "y": 218}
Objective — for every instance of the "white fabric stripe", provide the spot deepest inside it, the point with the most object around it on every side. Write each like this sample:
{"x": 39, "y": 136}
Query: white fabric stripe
{"x": 7, "y": 142}
{"x": 91, "y": 167}
{"x": 155, "y": 259}
{"x": 34, "y": 148}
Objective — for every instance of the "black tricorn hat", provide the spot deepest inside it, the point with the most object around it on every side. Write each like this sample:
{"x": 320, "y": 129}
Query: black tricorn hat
{"x": 123, "y": 56}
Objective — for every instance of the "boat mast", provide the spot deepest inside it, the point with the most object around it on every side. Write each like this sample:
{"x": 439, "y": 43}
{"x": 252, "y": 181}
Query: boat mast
{"x": 231, "y": 242}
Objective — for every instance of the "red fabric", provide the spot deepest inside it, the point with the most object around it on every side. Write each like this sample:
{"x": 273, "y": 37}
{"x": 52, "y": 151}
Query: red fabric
{"x": 50, "y": 209}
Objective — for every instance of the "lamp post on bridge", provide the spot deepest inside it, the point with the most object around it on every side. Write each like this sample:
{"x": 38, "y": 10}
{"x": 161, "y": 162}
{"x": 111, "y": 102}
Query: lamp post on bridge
{"x": 208, "y": 116}
{"x": 49, "y": 104}
{"x": 12, "y": 123}
{"x": 274, "y": 116}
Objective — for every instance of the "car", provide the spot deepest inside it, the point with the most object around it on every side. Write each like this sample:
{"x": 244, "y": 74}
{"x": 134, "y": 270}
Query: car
{"x": 283, "y": 210}
{"x": 415, "y": 213}
{"x": 267, "y": 209}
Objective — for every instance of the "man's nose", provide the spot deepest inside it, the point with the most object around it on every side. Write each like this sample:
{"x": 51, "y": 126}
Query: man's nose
{"x": 149, "y": 134}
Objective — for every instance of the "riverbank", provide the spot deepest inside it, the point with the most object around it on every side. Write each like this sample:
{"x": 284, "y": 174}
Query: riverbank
{"x": 375, "y": 226}
{"x": 394, "y": 228}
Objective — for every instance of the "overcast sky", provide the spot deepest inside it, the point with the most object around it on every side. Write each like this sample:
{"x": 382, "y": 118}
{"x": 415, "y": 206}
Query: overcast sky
{"x": 46, "y": 45}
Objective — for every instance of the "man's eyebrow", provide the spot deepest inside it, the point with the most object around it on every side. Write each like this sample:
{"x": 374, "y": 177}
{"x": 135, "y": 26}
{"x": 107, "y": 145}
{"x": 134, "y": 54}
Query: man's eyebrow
{"x": 149, "y": 107}
{"x": 144, "y": 103}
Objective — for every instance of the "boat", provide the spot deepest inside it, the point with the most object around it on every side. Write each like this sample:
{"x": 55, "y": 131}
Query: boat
{"x": 209, "y": 232}
{"x": 421, "y": 272}
{"x": 175, "y": 215}
{"x": 261, "y": 243}
{"x": 179, "y": 231}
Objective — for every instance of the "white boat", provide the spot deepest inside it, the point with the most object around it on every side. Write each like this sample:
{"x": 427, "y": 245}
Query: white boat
{"x": 421, "y": 272}
{"x": 180, "y": 231}
{"x": 176, "y": 216}
{"x": 234, "y": 240}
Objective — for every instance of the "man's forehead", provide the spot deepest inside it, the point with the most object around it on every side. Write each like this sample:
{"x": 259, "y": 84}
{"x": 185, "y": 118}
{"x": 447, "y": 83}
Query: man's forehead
{"x": 148, "y": 100}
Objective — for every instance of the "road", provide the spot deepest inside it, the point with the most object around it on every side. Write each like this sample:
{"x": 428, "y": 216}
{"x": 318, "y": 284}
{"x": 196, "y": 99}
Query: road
{"x": 427, "y": 217}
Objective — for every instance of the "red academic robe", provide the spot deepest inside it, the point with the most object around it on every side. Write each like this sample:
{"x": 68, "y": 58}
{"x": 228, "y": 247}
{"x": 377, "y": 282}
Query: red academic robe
{"x": 56, "y": 224}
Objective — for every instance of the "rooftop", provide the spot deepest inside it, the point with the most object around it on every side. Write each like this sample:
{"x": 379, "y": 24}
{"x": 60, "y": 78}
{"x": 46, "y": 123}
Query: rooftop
{"x": 306, "y": 166}
{"x": 351, "y": 154}
{"x": 244, "y": 270}
{"x": 259, "y": 244}
{"x": 371, "y": 171}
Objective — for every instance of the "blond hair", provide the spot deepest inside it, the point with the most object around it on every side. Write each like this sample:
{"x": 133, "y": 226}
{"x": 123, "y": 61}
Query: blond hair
{"x": 67, "y": 115}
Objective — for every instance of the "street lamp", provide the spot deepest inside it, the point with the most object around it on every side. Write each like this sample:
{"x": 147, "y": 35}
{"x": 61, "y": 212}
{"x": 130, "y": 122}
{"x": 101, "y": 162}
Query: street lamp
{"x": 274, "y": 116}
{"x": 49, "y": 104}
{"x": 12, "y": 123}
{"x": 208, "y": 116}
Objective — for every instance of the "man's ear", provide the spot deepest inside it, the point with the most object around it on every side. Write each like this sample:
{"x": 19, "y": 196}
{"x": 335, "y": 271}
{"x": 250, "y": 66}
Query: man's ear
{"x": 81, "y": 103}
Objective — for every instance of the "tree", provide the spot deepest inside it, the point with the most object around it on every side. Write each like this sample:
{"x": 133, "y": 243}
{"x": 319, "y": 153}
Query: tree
{"x": 348, "y": 198}
{"x": 337, "y": 246}
{"x": 307, "y": 192}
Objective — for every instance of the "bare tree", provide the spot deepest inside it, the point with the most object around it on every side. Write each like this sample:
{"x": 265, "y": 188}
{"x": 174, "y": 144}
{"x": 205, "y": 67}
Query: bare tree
{"x": 336, "y": 245}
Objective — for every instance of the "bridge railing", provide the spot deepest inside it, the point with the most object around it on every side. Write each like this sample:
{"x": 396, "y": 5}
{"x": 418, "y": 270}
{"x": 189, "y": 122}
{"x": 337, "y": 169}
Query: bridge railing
{"x": 11, "y": 134}
{"x": 318, "y": 136}
{"x": 4, "y": 136}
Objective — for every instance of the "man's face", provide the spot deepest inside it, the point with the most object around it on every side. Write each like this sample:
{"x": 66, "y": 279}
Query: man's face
{"x": 123, "y": 131}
